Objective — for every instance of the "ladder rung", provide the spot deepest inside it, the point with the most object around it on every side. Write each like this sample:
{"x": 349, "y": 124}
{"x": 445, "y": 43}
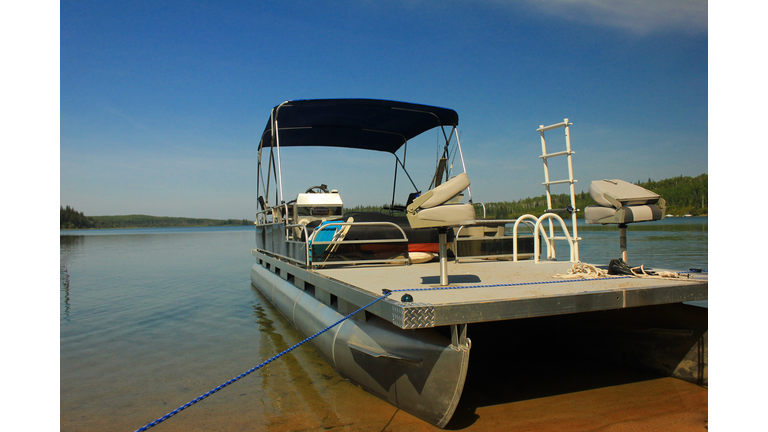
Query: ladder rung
{"x": 554, "y": 126}
{"x": 559, "y": 182}
{"x": 562, "y": 153}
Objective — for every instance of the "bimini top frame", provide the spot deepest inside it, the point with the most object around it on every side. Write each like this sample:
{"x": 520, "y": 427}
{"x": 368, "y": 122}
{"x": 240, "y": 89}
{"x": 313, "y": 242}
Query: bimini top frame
{"x": 368, "y": 124}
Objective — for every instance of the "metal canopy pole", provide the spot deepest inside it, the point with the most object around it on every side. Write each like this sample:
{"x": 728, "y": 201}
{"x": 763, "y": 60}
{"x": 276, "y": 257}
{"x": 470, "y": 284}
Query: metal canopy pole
{"x": 415, "y": 188}
{"x": 279, "y": 172}
{"x": 394, "y": 185}
{"x": 279, "y": 167}
{"x": 463, "y": 166}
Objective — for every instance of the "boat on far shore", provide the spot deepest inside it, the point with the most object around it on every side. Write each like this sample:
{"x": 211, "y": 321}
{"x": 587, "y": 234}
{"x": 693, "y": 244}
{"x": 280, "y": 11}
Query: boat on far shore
{"x": 411, "y": 283}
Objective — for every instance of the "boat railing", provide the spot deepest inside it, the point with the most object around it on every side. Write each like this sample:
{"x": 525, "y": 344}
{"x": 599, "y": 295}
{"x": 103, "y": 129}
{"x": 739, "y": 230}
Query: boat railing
{"x": 550, "y": 244}
{"x": 262, "y": 216}
{"x": 342, "y": 251}
{"x": 271, "y": 214}
{"x": 483, "y": 205}
{"x": 526, "y": 218}
{"x": 294, "y": 243}
{"x": 548, "y": 240}
{"x": 297, "y": 248}
{"x": 501, "y": 255}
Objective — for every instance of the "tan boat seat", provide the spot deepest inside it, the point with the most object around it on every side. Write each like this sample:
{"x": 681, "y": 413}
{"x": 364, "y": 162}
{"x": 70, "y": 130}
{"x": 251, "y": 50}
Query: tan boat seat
{"x": 435, "y": 209}
{"x": 621, "y": 202}
{"x": 439, "y": 208}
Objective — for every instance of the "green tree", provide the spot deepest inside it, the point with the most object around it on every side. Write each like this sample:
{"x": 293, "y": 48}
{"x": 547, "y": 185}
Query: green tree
{"x": 69, "y": 218}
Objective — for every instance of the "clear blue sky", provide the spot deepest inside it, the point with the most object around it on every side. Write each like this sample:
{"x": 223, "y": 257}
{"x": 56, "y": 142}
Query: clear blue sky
{"x": 161, "y": 102}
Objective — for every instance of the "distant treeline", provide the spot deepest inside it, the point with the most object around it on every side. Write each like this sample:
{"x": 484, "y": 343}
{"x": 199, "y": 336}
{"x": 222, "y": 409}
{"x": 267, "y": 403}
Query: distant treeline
{"x": 72, "y": 219}
{"x": 684, "y": 195}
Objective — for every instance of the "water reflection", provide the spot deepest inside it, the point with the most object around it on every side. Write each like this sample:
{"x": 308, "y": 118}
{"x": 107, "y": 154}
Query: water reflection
{"x": 71, "y": 242}
{"x": 69, "y": 246}
{"x": 676, "y": 244}
{"x": 271, "y": 342}
{"x": 265, "y": 324}
{"x": 64, "y": 282}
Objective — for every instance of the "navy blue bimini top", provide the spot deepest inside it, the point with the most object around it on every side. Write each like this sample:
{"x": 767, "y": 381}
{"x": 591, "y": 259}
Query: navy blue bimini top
{"x": 369, "y": 124}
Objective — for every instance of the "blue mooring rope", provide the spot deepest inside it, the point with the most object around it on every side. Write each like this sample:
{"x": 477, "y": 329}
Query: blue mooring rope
{"x": 386, "y": 293}
{"x": 504, "y": 285}
{"x": 198, "y": 399}
{"x": 693, "y": 270}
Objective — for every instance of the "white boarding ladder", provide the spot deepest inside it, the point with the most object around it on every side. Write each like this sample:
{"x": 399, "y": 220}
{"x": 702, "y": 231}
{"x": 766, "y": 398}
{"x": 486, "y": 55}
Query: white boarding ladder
{"x": 570, "y": 180}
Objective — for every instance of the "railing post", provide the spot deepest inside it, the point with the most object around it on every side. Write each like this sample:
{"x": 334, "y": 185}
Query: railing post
{"x": 537, "y": 245}
{"x": 514, "y": 236}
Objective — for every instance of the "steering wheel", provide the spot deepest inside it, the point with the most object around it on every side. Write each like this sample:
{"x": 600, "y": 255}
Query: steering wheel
{"x": 318, "y": 189}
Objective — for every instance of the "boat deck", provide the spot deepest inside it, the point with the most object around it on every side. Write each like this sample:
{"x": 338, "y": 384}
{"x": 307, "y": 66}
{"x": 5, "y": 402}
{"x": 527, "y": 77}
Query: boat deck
{"x": 491, "y": 290}
{"x": 479, "y": 290}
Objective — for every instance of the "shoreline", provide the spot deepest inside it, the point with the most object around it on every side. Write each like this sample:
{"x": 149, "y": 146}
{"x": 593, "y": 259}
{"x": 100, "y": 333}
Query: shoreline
{"x": 144, "y": 227}
{"x": 251, "y": 224}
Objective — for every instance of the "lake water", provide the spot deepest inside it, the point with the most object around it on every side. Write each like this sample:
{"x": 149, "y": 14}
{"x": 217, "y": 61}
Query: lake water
{"x": 152, "y": 318}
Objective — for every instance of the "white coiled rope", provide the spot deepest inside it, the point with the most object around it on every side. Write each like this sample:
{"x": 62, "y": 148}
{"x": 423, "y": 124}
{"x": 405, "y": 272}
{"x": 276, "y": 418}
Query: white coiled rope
{"x": 583, "y": 271}
{"x": 589, "y": 271}
{"x": 640, "y": 272}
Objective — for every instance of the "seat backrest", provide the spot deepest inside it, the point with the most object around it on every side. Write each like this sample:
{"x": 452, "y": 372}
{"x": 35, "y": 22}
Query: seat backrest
{"x": 446, "y": 191}
{"x": 618, "y": 193}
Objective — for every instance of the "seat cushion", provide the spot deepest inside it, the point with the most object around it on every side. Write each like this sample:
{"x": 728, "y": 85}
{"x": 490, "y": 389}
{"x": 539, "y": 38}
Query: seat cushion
{"x": 448, "y": 215}
{"x": 626, "y": 214}
{"x": 593, "y": 214}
